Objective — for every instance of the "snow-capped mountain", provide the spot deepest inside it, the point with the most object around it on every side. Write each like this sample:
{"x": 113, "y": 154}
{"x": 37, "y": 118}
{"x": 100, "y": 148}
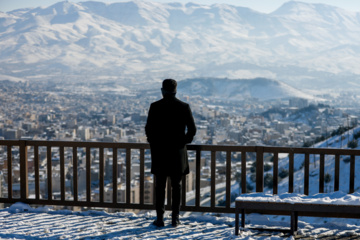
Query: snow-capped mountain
{"x": 239, "y": 89}
{"x": 305, "y": 45}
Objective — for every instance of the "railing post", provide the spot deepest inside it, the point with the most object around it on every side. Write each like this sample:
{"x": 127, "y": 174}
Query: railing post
{"x": 352, "y": 174}
{"x": 197, "y": 183}
{"x": 291, "y": 171}
{"x": 259, "y": 169}
{"x": 243, "y": 172}
{"x": 37, "y": 175}
{"x": 228, "y": 179}
{"x": 306, "y": 173}
{"x": 142, "y": 177}
{"x": 337, "y": 173}
{"x": 322, "y": 173}
{"x": 213, "y": 179}
{"x": 128, "y": 176}
{"x": 88, "y": 175}
{"x": 23, "y": 170}
{"x": 62, "y": 173}
{"x": 9, "y": 170}
{"x": 114, "y": 175}
{"x": 49, "y": 173}
{"x": 275, "y": 172}
{"x": 101, "y": 174}
{"x": 75, "y": 174}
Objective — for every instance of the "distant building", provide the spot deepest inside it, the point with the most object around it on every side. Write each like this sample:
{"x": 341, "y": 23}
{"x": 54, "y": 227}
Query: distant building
{"x": 109, "y": 138}
{"x": 120, "y": 132}
{"x": 44, "y": 118}
{"x": 281, "y": 126}
{"x": 149, "y": 190}
{"x": 11, "y": 134}
{"x": 298, "y": 102}
{"x": 111, "y": 119}
{"x": 84, "y": 133}
{"x": 353, "y": 121}
{"x": 121, "y": 193}
{"x": 28, "y": 126}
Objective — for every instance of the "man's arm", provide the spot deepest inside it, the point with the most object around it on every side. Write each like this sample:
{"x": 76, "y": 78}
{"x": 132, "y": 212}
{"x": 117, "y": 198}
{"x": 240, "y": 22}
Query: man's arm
{"x": 149, "y": 124}
{"x": 190, "y": 124}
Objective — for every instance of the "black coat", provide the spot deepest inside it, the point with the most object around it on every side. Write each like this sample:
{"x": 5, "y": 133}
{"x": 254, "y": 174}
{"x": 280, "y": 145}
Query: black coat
{"x": 170, "y": 126}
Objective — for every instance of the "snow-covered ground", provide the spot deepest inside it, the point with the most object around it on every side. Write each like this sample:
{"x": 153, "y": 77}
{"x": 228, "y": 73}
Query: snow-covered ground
{"x": 21, "y": 221}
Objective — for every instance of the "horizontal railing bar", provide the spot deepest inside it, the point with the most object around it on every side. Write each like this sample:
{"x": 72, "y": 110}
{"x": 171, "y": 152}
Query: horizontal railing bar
{"x": 328, "y": 151}
{"x": 88, "y": 144}
{"x": 221, "y": 148}
{"x": 217, "y": 148}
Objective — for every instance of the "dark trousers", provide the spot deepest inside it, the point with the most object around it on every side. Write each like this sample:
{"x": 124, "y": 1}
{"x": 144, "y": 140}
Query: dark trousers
{"x": 160, "y": 184}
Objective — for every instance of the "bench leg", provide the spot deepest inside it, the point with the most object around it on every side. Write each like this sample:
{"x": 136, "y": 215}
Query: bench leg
{"x": 236, "y": 221}
{"x": 294, "y": 223}
{"x": 237, "y": 213}
{"x": 243, "y": 218}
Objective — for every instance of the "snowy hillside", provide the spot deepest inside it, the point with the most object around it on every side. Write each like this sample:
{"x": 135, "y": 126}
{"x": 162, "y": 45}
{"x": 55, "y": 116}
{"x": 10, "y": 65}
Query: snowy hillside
{"x": 301, "y": 44}
{"x": 238, "y": 89}
{"x": 340, "y": 141}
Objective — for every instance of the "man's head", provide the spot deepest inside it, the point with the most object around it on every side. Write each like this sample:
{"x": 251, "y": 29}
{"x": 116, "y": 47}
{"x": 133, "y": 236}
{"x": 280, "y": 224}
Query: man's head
{"x": 169, "y": 87}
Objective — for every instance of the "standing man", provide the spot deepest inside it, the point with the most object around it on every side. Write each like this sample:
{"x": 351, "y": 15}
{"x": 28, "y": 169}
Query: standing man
{"x": 170, "y": 126}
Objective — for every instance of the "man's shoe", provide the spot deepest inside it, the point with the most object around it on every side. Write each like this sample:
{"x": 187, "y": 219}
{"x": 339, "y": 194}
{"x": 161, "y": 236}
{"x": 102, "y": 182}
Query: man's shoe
{"x": 159, "y": 223}
{"x": 175, "y": 221}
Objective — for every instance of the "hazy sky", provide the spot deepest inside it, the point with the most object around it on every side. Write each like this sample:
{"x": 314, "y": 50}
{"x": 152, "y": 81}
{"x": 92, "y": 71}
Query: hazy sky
{"x": 259, "y": 5}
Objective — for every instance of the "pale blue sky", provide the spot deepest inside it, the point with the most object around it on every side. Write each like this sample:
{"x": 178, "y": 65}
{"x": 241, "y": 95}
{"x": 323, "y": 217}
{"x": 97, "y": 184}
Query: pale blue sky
{"x": 265, "y": 6}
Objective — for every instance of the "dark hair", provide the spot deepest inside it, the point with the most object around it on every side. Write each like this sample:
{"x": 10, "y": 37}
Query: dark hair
{"x": 169, "y": 85}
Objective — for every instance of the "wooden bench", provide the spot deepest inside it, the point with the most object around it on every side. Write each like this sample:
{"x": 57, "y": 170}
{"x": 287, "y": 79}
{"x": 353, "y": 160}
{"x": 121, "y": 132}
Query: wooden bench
{"x": 294, "y": 210}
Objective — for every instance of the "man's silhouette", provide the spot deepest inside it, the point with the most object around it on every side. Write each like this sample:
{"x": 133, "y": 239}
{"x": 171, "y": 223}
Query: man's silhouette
{"x": 170, "y": 126}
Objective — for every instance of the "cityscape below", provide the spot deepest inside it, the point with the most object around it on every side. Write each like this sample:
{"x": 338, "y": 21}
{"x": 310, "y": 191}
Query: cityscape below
{"x": 52, "y": 111}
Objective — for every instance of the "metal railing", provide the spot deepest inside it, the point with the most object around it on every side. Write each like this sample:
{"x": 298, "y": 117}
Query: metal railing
{"x": 17, "y": 152}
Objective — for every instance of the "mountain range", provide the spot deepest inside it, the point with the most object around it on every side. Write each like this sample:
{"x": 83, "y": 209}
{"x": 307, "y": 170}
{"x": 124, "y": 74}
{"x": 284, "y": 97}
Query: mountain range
{"x": 313, "y": 46}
